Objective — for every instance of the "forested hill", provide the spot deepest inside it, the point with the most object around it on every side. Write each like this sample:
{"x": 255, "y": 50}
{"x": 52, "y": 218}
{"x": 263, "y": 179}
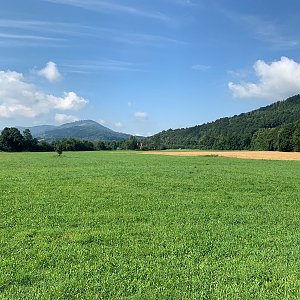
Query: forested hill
{"x": 237, "y": 132}
{"x": 83, "y": 130}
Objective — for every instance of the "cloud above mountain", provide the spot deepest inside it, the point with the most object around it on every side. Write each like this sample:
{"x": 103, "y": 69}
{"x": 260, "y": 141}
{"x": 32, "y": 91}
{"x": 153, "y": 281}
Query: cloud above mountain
{"x": 50, "y": 72}
{"x": 21, "y": 98}
{"x": 276, "y": 81}
{"x": 62, "y": 118}
{"x": 142, "y": 115}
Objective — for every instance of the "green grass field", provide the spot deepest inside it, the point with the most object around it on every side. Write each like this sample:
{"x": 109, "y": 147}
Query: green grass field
{"x": 117, "y": 225}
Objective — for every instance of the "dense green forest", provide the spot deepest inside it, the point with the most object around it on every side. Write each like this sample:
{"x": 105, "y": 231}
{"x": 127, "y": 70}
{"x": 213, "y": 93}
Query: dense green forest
{"x": 281, "y": 138}
{"x": 274, "y": 127}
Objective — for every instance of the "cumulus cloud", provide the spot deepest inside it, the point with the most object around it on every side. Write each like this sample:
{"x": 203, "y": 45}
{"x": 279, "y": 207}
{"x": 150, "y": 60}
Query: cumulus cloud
{"x": 277, "y": 80}
{"x": 50, "y": 72}
{"x": 141, "y": 115}
{"x": 61, "y": 118}
{"x": 70, "y": 101}
{"x": 18, "y": 98}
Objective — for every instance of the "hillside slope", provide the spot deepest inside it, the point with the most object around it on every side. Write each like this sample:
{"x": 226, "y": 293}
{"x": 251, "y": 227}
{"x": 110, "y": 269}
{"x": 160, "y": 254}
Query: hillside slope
{"x": 38, "y": 130}
{"x": 231, "y": 132}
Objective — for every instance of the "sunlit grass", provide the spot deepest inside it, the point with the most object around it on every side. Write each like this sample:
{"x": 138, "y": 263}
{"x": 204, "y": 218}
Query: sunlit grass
{"x": 114, "y": 225}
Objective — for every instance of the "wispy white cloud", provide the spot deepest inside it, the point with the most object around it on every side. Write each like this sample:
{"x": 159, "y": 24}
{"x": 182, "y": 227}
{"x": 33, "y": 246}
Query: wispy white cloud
{"x": 201, "y": 67}
{"x": 264, "y": 30}
{"x": 27, "y": 44}
{"x": 141, "y": 115}
{"x": 62, "y": 118}
{"x": 238, "y": 73}
{"x": 89, "y": 67}
{"x": 23, "y": 40}
{"x": 187, "y": 3}
{"x": 113, "y": 7}
{"x": 18, "y": 98}
{"x": 34, "y": 33}
{"x": 29, "y": 37}
{"x": 267, "y": 31}
{"x": 276, "y": 81}
{"x": 119, "y": 125}
{"x": 52, "y": 33}
{"x": 146, "y": 39}
{"x": 50, "y": 72}
{"x": 48, "y": 27}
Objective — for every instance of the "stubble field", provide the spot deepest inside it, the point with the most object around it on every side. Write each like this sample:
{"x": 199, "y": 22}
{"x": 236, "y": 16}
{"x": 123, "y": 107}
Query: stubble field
{"x": 266, "y": 155}
{"x": 117, "y": 225}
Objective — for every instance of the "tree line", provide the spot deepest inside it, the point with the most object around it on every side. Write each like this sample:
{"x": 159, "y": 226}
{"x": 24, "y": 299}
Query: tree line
{"x": 12, "y": 140}
{"x": 281, "y": 138}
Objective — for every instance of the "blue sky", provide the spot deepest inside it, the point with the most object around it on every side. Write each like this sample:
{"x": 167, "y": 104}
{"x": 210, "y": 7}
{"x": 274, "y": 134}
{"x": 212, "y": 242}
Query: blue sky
{"x": 144, "y": 66}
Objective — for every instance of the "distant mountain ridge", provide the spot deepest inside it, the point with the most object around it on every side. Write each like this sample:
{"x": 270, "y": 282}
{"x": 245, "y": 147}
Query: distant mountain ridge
{"x": 231, "y": 133}
{"x": 84, "y": 130}
{"x": 37, "y": 130}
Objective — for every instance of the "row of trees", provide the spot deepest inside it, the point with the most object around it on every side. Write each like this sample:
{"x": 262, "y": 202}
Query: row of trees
{"x": 11, "y": 140}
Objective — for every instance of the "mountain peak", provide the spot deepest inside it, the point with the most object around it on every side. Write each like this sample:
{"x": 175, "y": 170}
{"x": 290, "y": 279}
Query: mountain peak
{"x": 83, "y": 122}
{"x": 83, "y": 129}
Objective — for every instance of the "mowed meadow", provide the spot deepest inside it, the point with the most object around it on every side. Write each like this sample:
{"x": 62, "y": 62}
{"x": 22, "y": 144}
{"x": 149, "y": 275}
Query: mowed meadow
{"x": 120, "y": 225}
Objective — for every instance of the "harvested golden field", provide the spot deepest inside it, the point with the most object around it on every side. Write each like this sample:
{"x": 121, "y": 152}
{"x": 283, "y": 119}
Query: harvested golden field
{"x": 269, "y": 155}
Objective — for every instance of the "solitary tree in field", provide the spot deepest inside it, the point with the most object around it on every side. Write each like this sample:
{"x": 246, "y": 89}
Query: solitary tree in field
{"x": 59, "y": 148}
